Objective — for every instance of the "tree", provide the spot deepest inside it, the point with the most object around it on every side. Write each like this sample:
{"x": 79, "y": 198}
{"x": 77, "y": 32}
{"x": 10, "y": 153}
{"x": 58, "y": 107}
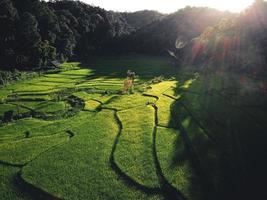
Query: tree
{"x": 8, "y": 18}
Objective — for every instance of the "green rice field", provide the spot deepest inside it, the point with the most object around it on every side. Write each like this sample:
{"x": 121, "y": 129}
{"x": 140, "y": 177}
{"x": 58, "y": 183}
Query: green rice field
{"x": 73, "y": 134}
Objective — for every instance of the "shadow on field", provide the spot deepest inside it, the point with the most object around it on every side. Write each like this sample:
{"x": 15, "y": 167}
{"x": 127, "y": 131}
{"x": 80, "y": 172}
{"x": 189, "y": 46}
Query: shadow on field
{"x": 224, "y": 138}
{"x": 147, "y": 67}
{"x": 168, "y": 191}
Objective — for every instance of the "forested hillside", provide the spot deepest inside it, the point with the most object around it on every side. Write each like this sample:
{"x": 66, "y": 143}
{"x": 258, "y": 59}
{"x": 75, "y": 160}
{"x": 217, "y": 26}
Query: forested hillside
{"x": 33, "y": 32}
{"x": 183, "y": 25}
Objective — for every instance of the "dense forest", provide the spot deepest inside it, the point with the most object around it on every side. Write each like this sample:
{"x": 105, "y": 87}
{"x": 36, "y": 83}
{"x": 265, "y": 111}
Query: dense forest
{"x": 34, "y": 33}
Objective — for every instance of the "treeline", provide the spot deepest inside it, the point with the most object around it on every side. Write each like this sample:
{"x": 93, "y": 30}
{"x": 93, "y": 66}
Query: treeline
{"x": 165, "y": 34}
{"x": 33, "y": 33}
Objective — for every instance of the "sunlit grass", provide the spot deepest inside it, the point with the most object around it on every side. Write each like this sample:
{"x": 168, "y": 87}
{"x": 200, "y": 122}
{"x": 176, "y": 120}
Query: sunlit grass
{"x": 23, "y": 151}
{"x": 83, "y": 163}
{"x": 134, "y": 154}
{"x": 79, "y": 167}
{"x": 175, "y": 162}
{"x": 129, "y": 101}
{"x": 50, "y": 106}
{"x": 91, "y": 105}
{"x": 17, "y": 129}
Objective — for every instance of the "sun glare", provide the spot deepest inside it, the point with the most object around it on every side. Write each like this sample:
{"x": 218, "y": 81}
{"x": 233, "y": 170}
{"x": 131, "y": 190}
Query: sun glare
{"x": 168, "y": 6}
{"x": 230, "y": 5}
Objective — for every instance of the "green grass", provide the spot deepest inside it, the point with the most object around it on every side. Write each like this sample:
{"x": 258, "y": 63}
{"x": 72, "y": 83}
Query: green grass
{"x": 77, "y": 73}
{"x": 8, "y": 189}
{"x": 175, "y": 162}
{"x": 34, "y": 97}
{"x": 85, "y": 96}
{"x": 17, "y": 129}
{"x": 91, "y": 105}
{"x": 69, "y": 66}
{"x": 160, "y": 88}
{"x": 50, "y": 106}
{"x": 4, "y": 93}
{"x": 50, "y": 165}
{"x": 128, "y": 101}
{"x": 211, "y": 131}
{"x": 164, "y": 105}
{"x": 22, "y": 151}
{"x": 7, "y": 107}
{"x": 134, "y": 154}
{"x": 100, "y": 86}
{"x": 83, "y": 163}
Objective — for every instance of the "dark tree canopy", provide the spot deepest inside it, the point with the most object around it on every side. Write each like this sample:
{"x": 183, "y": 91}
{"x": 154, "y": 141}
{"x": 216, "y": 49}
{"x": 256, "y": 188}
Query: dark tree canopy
{"x": 34, "y": 33}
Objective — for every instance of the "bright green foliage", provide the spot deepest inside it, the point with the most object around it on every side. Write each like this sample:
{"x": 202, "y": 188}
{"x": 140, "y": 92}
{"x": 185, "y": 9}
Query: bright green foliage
{"x": 77, "y": 73}
{"x": 50, "y": 106}
{"x": 164, "y": 105}
{"x": 85, "y": 96}
{"x": 17, "y": 129}
{"x": 91, "y": 105}
{"x": 129, "y": 101}
{"x": 109, "y": 87}
{"x": 83, "y": 163}
{"x": 69, "y": 65}
{"x": 200, "y": 146}
{"x": 47, "y": 149}
{"x": 25, "y": 150}
{"x": 134, "y": 154}
{"x": 30, "y": 105}
{"x": 105, "y": 98}
{"x": 175, "y": 162}
{"x": 4, "y": 92}
{"x": 161, "y": 88}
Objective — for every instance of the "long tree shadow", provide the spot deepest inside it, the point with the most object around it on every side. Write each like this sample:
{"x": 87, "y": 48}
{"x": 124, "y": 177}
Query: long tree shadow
{"x": 168, "y": 191}
{"x": 196, "y": 146}
{"x": 230, "y": 157}
{"x": 147, "y": 67}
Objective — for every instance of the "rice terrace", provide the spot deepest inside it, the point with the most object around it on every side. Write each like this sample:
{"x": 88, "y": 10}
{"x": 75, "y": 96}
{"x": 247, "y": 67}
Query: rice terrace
{"x": 77, "y": 127}
{"x": 103, "y": 105}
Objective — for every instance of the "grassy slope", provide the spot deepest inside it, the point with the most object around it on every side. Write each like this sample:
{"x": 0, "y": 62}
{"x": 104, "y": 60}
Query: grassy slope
{"x": 94, "y": 131}
{"x": 133, "y": 153}
{"x": 80, "y": 169}
{"x": 23, "y": 151}
{"x": 216, "y": 116}
{"x": 175, "y": 162}
{"x": 8, "y": 190}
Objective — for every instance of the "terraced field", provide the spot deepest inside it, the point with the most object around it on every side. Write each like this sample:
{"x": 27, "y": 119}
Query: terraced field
{"x": 74, "y": 135}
